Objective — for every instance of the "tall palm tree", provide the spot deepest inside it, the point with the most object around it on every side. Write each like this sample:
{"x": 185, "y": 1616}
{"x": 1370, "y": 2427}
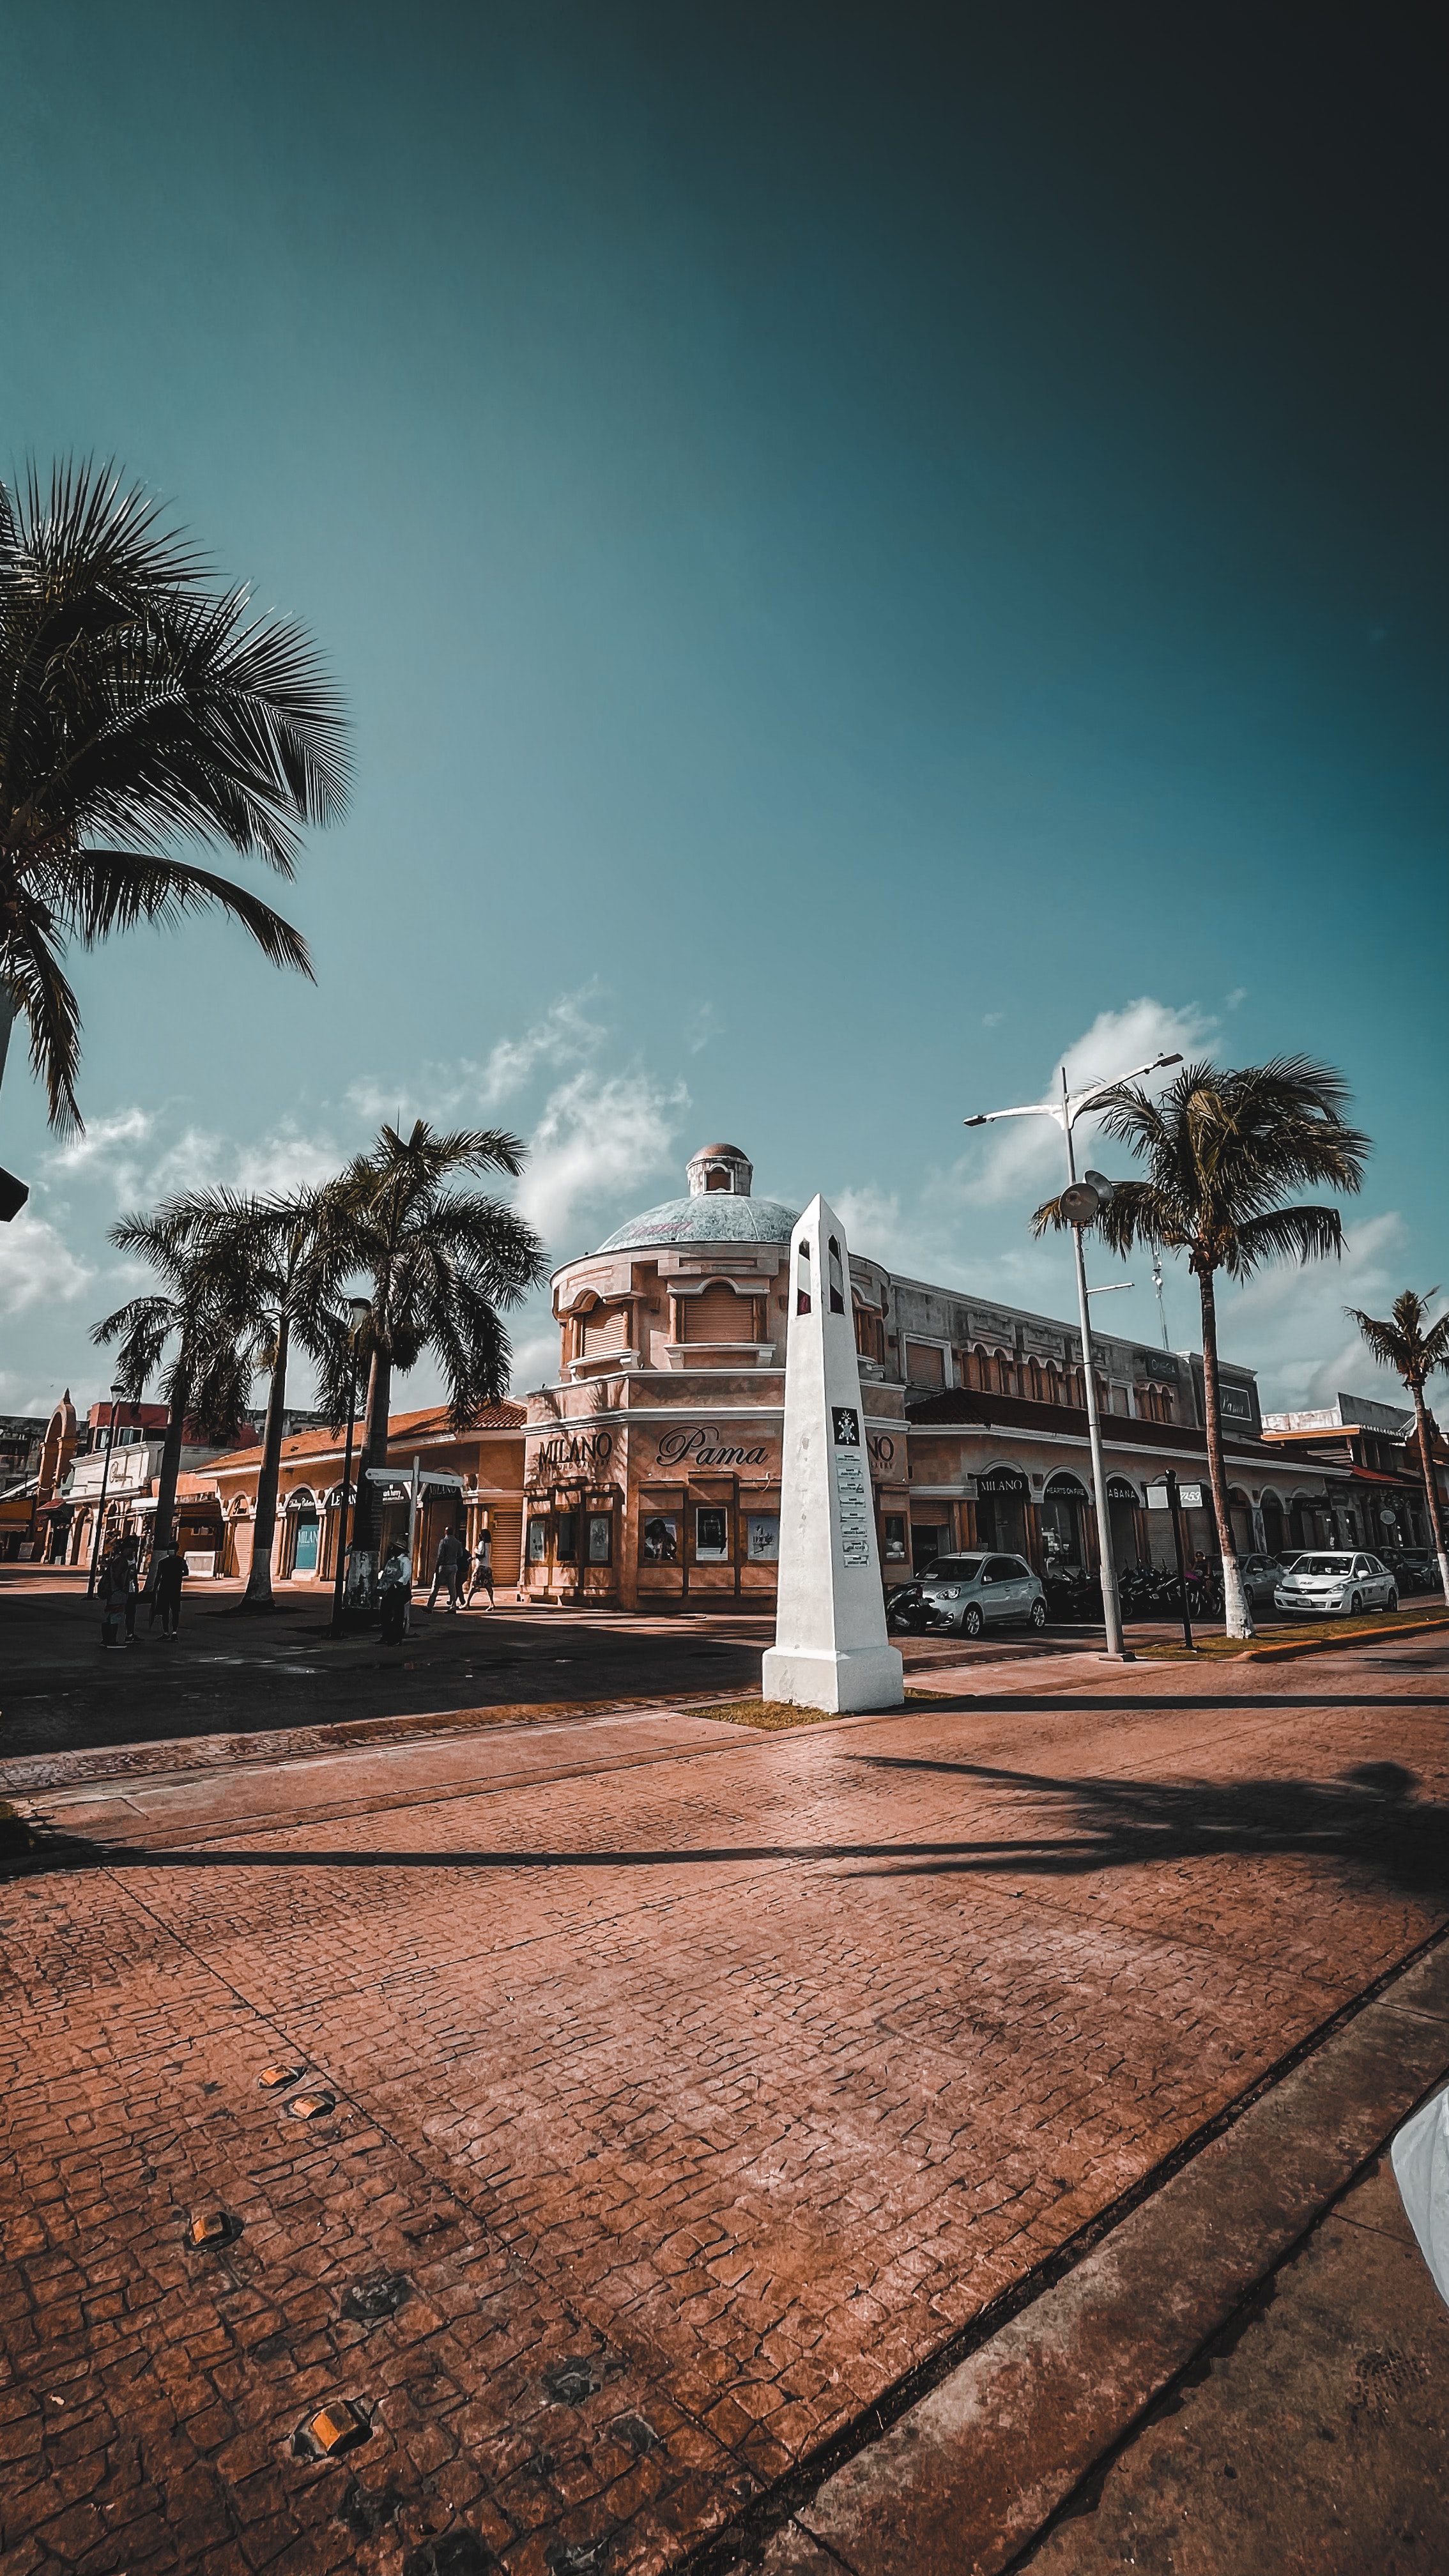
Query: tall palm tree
{"x": 1414, "y": 1349}
{"x": 273, "y": 1262}
{"x": 296, "y": 1258}
{"x": 138, "y": 709}
{"x": 195, "y": 1315}
{"x": 1221, "y": 1150}
{"x": 442, "y": 1263}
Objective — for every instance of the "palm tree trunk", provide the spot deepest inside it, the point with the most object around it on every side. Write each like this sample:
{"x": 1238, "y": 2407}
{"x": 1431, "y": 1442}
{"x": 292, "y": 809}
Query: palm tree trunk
{"x": 165, "y": 1512}
{"x": 374, "y": 1449}
{"x": 1431, "y": 1490}
{"x": 258, "y": 1594}
{"x": 1237, "y": 1618}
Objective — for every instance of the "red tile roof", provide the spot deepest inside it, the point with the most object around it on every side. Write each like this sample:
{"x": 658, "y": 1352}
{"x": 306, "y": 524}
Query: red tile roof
{"x": 429, "y": 1425}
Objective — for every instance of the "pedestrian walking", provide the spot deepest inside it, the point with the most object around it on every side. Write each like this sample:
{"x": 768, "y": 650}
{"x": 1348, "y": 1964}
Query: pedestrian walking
{"x": 482, "y": 1569}
{"x": 449, "y": 1566}
{"x": 167, "y": 1580}
{"x": 111, "y": 1594}
{"x": 130, "y": 1581}
{"x": 394, "y": 1585}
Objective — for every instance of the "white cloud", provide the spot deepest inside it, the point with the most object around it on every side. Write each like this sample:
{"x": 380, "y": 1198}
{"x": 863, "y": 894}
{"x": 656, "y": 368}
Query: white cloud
{"x": 564, "y": 1035}
{"x": 1024, "y": 1155}
{"x": 107, "y": 1151}
{"x": 535, "y": 1360}
{"x": 37, "y": 1266}
{"x": 595, "y": 1140}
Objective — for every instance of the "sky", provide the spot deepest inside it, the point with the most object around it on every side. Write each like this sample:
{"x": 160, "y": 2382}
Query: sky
{"x": 870, "y": 552}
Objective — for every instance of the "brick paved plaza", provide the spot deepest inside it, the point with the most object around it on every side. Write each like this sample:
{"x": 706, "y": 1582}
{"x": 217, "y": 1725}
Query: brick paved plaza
{"x": 681, "y": 2088}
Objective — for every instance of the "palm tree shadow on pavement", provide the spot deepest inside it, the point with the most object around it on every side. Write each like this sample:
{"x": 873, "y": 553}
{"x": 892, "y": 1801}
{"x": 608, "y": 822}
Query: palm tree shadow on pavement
{"x": 1367, "y": 1824}
{"x": 1366, "y": 1821}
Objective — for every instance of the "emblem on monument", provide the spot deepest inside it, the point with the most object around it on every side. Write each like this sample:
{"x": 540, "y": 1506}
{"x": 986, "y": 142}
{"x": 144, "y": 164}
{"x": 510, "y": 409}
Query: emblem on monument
{"x": 847, "y": 1426}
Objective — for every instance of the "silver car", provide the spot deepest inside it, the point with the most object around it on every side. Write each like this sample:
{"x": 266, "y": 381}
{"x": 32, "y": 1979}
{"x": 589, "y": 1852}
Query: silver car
{"x": 1345, "y": 1581}
{"x": 1261, "y": 1578}
{"x": 965, "y": 1591}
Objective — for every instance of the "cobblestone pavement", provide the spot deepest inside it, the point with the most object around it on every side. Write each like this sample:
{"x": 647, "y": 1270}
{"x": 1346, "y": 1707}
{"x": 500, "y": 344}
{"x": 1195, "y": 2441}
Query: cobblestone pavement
{"x": 680, "y": 2089}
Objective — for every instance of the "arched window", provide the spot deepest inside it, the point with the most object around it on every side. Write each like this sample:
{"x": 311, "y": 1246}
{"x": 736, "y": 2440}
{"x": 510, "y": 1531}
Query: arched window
{"x": 1005, "y": 1375}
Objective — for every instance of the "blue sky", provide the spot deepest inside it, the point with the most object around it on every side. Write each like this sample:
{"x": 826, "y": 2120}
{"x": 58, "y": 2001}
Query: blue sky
{"x": 866, "y": 550}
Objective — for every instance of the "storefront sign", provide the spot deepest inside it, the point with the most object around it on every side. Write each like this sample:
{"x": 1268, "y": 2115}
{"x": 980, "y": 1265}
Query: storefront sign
{"x": 882, "y": 1452}
{"x": 1002, "y": 1480}
{"x": 581, "y": 1449}
{"x": 704, "y": 1448}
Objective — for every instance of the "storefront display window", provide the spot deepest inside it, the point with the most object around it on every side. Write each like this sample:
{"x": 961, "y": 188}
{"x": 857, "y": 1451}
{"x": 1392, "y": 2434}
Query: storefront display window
{"x": 566, "y": 1538}
{"x": 537, "y": 1542}
{"x": 659, "y": 1540}
{"x": 763, "y": 1537}
{"x": 601, "y": 1538}
{"x": 711, "y": 1534}
{"x": 895, "y": 1538}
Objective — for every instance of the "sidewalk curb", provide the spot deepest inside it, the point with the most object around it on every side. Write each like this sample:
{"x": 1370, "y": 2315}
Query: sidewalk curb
{"x": 1340, "y": 1645}
{"x": 963, "y": 2481}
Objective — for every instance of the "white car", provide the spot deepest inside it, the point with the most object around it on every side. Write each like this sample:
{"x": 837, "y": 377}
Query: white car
{"x": 1346, "y": 1581}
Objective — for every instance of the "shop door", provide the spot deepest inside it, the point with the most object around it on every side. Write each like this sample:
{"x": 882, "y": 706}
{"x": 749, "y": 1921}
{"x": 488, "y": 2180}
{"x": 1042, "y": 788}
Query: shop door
{"x": 928, "y": 1541}
{"x": 305, "y": 1560}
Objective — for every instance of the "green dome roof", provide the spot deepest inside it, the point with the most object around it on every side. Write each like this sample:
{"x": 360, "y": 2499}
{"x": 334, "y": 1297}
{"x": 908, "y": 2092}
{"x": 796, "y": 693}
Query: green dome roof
{"x": 711, "y": 1216}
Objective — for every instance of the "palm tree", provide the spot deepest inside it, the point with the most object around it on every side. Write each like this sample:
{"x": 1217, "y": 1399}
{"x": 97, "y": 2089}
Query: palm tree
{"x": 195, "y": 1313}
{"x": 295, "y": 1263}
{"x": 1221, "y": 1150}
{"x": 137, "y": 708}
{"x": 1414, "y": 1349}
{"x": 441, "y": 1262}
{"x": 274, "y": 1265}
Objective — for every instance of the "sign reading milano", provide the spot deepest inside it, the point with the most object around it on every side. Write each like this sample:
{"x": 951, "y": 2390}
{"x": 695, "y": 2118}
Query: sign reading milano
{"x": 830, "y": 1648}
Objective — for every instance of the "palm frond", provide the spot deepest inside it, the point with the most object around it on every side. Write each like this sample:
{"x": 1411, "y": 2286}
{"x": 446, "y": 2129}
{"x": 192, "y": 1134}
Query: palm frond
{"x": 1309, "y": 1233}
{"x": 109, "y": 890}
{"x": 31, "y": 972}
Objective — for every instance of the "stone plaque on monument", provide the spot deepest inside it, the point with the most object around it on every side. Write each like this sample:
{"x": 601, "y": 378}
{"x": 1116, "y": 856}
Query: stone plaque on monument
{"x": 831, "y": 1649}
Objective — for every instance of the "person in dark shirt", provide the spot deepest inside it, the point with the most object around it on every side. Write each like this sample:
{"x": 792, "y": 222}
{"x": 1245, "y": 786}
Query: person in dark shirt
{"x": 169, "y": 1576}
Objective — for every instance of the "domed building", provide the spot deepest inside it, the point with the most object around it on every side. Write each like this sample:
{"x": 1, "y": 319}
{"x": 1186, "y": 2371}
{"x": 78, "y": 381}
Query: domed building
{"x": 652, "y": 1469}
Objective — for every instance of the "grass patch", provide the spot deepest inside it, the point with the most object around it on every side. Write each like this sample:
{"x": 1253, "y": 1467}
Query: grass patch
{"x": 1314, "y": 1632}
{"x": 776, "y": 1716}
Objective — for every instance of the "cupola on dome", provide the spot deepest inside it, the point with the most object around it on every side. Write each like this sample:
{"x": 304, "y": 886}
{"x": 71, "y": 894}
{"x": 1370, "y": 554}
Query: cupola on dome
{"x": 719, "y": 1208}
{"x": 720, "y": 1167}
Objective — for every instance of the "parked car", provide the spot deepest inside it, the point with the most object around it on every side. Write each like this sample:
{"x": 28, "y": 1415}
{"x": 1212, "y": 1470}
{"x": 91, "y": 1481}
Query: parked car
{"x": 965, "y": 1591}
{"x": 1346, "y": 1581}
{"x": 1261, "y": 1577}
{"x": 1414, "y": 1569}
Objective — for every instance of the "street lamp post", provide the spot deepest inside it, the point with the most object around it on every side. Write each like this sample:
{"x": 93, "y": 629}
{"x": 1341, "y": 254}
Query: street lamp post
{"x": 1080, "y": 1204}
{"x": 358, "y": 1310}
{"x": 117, "y": 1394}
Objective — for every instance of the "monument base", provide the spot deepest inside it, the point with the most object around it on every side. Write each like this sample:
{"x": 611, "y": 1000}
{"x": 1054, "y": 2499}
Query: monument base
{"x": 870, "y": 1678}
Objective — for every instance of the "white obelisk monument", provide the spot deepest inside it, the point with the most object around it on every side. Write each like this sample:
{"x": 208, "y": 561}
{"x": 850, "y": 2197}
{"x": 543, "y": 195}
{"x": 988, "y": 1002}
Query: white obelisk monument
{"x": 830, "y": 1648}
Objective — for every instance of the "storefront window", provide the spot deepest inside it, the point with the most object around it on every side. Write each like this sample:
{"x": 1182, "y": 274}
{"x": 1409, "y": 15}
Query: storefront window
{"x": 566, "y": 1538}
{"x": 711, "y": 1534}
{"x": 763, "y": 1537}
{"x": 659, "y": 1540}
{"x": 601, "y": 1538}
{"x": 537, "y": 1542}
{"x": 895, "y": 1538}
